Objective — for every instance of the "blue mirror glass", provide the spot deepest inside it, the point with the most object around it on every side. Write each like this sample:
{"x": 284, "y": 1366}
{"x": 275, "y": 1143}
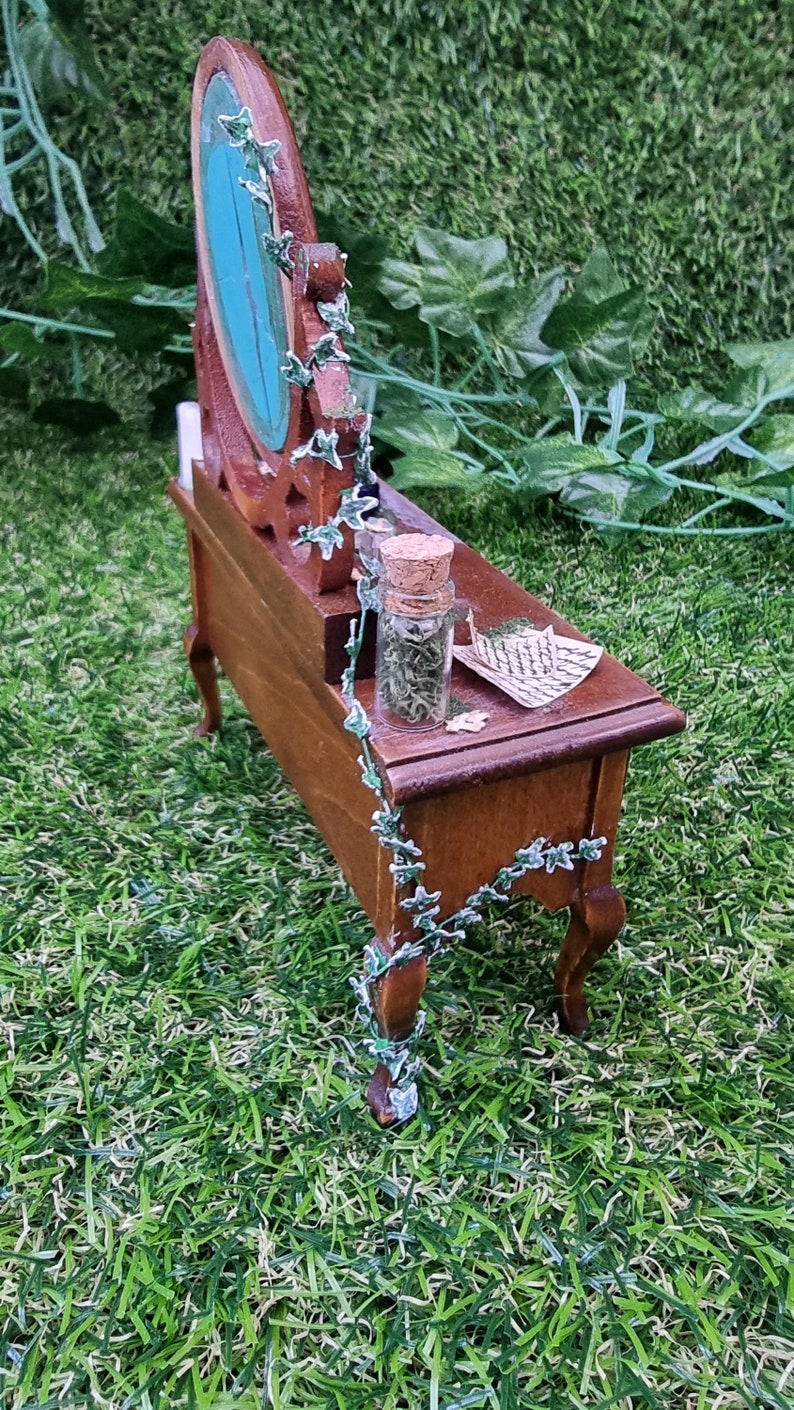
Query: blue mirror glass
{"x": 246, "y": 284}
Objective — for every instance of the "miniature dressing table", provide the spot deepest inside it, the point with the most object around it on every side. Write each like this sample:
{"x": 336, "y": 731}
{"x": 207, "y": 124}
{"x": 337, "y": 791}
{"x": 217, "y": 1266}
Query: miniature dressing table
{"x": 276, "y": 615}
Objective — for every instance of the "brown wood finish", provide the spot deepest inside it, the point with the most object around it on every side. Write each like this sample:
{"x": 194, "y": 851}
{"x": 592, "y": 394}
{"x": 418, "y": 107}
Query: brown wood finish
{"x": 277, "y": 620}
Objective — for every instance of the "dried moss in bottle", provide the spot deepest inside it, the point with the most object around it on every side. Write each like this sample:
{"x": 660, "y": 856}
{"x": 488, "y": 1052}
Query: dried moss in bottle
{"x": 415, "y": 630}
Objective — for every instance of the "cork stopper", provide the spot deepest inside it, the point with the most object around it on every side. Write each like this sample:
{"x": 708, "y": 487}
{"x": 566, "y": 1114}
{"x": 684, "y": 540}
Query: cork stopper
{"x": 416, "y": 569}
{"x": 417, "y": 563}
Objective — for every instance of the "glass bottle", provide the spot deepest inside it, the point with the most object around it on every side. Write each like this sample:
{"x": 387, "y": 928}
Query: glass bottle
{"x": 415, "y": 631}
{"x": 379, "y": 525}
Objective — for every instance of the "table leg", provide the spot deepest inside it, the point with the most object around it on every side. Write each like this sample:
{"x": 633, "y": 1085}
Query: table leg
{"x": 202, "y": 663}
{"x": 598, "y": 910}
{"x": 597, "y": 918}
{"x": 395, "y": 1001}
{"x": 200, "y": 655}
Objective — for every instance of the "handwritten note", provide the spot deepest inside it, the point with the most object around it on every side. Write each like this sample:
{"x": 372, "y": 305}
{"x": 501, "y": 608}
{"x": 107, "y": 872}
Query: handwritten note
{"x": 531, "y": 667}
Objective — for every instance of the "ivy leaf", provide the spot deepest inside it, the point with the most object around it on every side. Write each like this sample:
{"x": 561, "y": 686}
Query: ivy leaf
{"x": 20, "y": 338}
{"x": 774, "y": 437}
{"x": 514, "y": 332}
{"x": 66, "y": 286}
{"x": 598, "y": 278}
{"x": 145, "y": 244}
{"x": 694, "y": 404}
{"x": 74, "y": 414}
{"x": 60, "y": 62}
{"x": 746, "y": 387}
{"x": 426, "y": 468}
{"x": 139, "y": 328}
{"x": 394, "y": 400}
{"x": 401, "y": 283}
{"x": 426, "y": 429}
{"x": 462, "y": 280}
{"x": 606, "y": 494}
{"x": 548, "y": 392}
{"x": 775, "y": 360}
{"x": 597, "y": 337}
{"x": 548, "y": 465}
{"x": 367, "y": 252}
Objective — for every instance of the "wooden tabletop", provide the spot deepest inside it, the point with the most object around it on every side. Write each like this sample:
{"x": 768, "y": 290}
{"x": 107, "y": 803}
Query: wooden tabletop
{"x": 612, "y": 709}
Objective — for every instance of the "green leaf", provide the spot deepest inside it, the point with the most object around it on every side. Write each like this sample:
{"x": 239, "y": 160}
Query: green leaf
{"x": 365, "y": 249}
{"x": 774, "y": 437}
{"x": 70, "y": 14}
{"x": 74, "y": 414}
{"x": 695, "y": 404}
{"x": 14, "y": 384}
{"x": 746, "y": 387}
{"x": 367, "y": 252}
{"x": 598, "y": 278}
{"x": 775, "y": 360}
{"x": 461, "y": 280}
{"x": 66, "y": 287}
{"x": 607, "y": 494}
{"x": 597, "y": 337}
{"x": 549, "y": 464}
{"x": 401, "y": 283}
{"x": 548, "y": 392}
{"x": 392, "y": 399}
{"x": 514, "y": 330}
{"x": 60, "y": 62}
{"x": 145, "y": 244}
{"x": 139, "y": 328}
{"x": 429, "y": 429}
{"x": 433, "y": 468}
{"x": 21, "y": 338}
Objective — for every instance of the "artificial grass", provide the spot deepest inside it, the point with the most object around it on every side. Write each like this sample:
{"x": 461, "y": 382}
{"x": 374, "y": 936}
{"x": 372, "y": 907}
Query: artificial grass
{"x": 197, "y": 1207}
{"x": 197, "y": 1204}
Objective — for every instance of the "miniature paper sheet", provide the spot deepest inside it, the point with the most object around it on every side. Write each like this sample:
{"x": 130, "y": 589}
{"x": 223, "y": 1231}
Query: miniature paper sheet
{"x": 531, "y": 667}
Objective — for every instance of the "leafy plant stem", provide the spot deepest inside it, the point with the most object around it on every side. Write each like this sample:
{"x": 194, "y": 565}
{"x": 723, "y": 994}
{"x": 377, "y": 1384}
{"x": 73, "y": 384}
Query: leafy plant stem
{"x": 547, "y": 428}
{"x": 670, "y": 529}
{"x": 483, "y": 445}
{"x": 476, "y": 367}
{"x": 490, "y": 361}
{"x": 722, "y": 442}
{"x": 387, "y": 373}
{"x": 738, "y": 496}
{"x": 709, "y": 509}
{"x": 77, "y": 366}
{"x": 55, "y": 324}
{"x": 617, "y": 412}
{"x": 436, "y": 350}
{"x": 574, "y": 402}
{"x": 483, "y": 420}
{"x": 56, "y": 160}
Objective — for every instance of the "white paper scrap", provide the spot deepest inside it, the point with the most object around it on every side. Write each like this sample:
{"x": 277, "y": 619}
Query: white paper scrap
{"x": 470, "y": 722}
{"x": 531, "y": 667}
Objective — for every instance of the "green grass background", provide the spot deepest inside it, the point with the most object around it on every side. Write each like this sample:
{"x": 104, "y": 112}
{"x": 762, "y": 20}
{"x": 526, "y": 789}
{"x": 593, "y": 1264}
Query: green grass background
{"x": 196, "y": 1205}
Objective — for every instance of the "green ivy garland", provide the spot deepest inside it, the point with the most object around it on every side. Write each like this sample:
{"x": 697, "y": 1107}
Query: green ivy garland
{"x": 399, "y": 1056}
